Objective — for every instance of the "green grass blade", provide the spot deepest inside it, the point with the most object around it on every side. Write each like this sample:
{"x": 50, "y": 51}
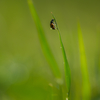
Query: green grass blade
{"x": 66, "y": 65}
{"x": 84, "y": 69}
{"x": 45, "y": 47}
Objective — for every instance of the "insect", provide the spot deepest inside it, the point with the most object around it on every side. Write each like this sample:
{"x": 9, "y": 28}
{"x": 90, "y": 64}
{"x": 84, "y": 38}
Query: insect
{"x": 52, "y": 24}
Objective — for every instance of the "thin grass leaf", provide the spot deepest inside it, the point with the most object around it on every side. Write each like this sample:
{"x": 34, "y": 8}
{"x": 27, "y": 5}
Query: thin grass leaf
{"x": 84, "y": 68}
{"x": 66, "y": 65}
{"x": 45, "y": 47}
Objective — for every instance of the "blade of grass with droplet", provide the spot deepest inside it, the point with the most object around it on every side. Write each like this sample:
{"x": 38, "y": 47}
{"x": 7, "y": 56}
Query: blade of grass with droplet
{"x": 43, "y": 41}
{"x": 84, "y": 68}
{"x": 66, "y": 65}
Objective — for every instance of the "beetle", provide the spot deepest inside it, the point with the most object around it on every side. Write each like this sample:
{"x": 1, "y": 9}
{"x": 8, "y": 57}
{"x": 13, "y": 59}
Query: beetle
{"x": 52, "y": 24}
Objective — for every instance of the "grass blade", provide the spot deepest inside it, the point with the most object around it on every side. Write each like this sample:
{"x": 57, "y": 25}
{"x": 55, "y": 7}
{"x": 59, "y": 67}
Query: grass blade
{"x": 45, "y": 47}
{"x": 84, "y": 69}
{"x": 66, "y": 65}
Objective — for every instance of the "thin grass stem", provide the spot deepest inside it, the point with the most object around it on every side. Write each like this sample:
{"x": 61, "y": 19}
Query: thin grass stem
{"x": 66, "y": 65}
{"x": 84, "y": 68}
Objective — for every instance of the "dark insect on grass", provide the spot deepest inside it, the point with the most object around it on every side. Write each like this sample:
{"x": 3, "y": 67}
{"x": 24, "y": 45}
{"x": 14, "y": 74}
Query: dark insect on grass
{"x": 52, "y": 24}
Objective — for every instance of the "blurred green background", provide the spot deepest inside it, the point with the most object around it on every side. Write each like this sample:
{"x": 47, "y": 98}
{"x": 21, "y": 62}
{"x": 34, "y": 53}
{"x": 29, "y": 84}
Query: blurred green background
{"x": 24, "y": 71}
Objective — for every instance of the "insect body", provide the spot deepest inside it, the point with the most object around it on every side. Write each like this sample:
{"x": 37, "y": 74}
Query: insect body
{"x": 52, "y": 24}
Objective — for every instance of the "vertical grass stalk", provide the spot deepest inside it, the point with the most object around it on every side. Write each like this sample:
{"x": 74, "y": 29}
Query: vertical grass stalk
{"x": 84, "y": 67}
{"x": 66, "y": 65}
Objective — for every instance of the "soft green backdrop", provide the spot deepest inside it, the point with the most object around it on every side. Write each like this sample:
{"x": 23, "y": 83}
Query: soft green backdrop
{"x": 24, "y": 72}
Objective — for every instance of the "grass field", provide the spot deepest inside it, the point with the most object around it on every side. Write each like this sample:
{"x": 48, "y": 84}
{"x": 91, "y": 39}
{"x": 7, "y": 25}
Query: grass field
{"x": 38, "y": 63}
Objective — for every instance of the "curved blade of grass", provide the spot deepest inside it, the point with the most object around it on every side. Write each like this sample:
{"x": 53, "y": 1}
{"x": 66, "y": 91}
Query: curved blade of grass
{"x": 66, "y": 65}
{"x": 84, "y": 69}
{"x": 45, "y": 47}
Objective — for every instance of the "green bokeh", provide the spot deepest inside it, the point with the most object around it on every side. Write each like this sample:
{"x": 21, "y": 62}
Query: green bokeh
{"x": 24, "y": 72}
